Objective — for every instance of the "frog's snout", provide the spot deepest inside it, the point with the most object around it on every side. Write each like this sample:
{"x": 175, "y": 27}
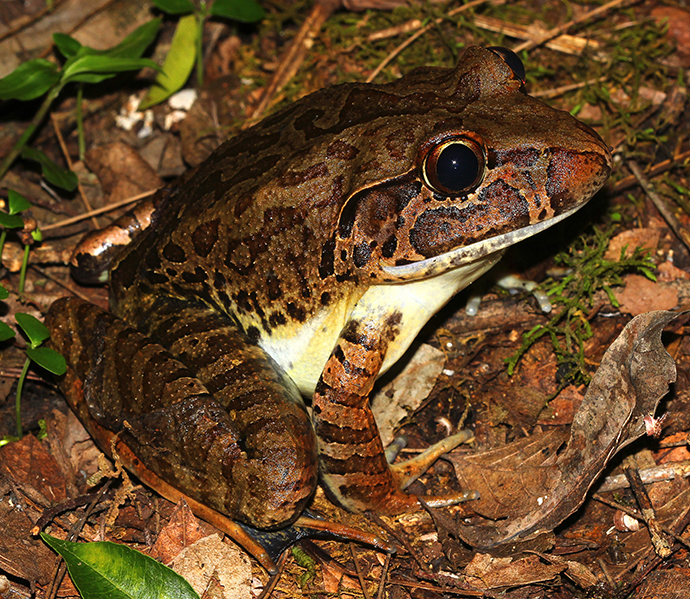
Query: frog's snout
{"x": 573, "y": 177}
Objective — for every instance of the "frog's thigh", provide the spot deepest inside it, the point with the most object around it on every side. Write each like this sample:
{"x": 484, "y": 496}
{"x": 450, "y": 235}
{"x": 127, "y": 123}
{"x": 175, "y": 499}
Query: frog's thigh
{"x": 234, "y": 443}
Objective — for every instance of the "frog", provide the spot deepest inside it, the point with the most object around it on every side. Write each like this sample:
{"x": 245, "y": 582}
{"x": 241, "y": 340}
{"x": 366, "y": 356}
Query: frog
{"x": 301, "y": 260}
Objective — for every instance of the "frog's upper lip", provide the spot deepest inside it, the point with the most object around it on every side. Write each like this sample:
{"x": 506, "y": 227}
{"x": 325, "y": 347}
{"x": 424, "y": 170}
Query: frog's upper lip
{"x": 470, "y": 253}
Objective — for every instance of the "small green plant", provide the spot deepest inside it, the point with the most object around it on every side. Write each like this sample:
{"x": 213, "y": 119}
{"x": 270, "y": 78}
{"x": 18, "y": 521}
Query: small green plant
{"x": 26, "y": 229}
{"x": 45, "y": 357}
{"x": 588, "y": 272}
{"x": 40, "y": 77}
{"x": 186, "y": 47}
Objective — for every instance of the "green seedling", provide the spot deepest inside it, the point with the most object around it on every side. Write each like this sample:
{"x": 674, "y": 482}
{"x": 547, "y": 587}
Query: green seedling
{"x": 41, "y": 77}
{"x": 186, "y": 47}
{"x": 26, "y": 229}
{"x": 12, "y": 219}
{"x": 45, "y": 357}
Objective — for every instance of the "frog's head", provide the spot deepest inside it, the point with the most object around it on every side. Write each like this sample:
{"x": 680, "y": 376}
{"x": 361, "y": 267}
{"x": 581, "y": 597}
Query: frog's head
{"x": 485, "y": 166}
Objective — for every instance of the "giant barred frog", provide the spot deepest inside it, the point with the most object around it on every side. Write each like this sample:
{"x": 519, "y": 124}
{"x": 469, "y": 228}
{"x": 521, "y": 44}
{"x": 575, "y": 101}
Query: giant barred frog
{"x": 301, "y": 259}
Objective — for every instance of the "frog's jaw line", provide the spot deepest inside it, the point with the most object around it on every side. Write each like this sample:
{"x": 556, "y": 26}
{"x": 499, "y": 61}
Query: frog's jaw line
{"x": 468, "y": 254}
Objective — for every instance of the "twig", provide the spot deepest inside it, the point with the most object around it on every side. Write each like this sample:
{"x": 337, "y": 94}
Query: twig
{"x": 422, "y": 31}
{"x": 556, "y": 31}
{"x": 362, "y": 584}
{"x": 108, "y": 208}
{"x": 564, "y": 89}
{"x": 294, "y": 56}
{"x": 661, "y": 545}
{"x": 635, "y": 514}
{"x": 657, "y": 169}
{"x": 384, "y": 575}
{"x": 567, "y": 44}
{"x": 661, "y": 206}
{"x": 70, "y": 164}
{"x": 273, "y": 581}
{"x": 648, "y": 475}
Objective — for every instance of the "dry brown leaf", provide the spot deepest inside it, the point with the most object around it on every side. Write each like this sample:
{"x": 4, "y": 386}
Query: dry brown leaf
{"x": 642, "y": 295}
{"x": 402, "y": 396}
{"x": 209, "y": 560}
{"x": 123, "y": 173}
{"x": 28, "y": 463}
{"x": 182, "y": 530}
{"x": 530, "y": 486}
{"x": 487, "y": 572}
{"x": 647, "y": 238}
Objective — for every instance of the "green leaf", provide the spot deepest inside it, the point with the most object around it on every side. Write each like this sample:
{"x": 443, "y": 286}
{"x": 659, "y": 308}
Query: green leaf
{"x": 4, "y": 294}
{"x": 17, "y": 202}
{"x": 48, "y": 358}
{"x": 178, "y": 63}
{"x": 246, "y": 11}
{"x": 37, "y": 235}
{"x": 106, "y": 569}
{"x": 6, "y": 331}
{"x": 11, "y": 221}
{"x": 35, "y": 330}
{"x": 54, "y": 174}
{"x": 29, "y": 80}
{"x": 175, "y": 7}
{"x": 66, "y": 44}
{"x": 84, "y": 68}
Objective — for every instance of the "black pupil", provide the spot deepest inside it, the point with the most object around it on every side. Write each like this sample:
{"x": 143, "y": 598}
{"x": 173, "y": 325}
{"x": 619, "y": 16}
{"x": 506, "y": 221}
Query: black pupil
{"x": 457, "y": 167}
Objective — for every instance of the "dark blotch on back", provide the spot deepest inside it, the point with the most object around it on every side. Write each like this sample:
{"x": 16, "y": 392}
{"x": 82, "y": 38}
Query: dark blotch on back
{"x": 296, "y": 312}
{"x": 174, "y": 253}
{"x": 205, "y": 236}
{"x": 361, "y": 254}
{"x": 326, "y": 268}
{"x": 273, "y": 286}
{"x": 342, "y": 150}
{"x": 293, "y": 178}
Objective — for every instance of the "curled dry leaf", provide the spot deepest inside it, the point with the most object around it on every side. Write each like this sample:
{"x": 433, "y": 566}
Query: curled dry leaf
{"x": 532, "y": 485}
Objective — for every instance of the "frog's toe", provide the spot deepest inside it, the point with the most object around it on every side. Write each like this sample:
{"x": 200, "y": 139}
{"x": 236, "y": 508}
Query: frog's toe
{"x": 410, "y": 470}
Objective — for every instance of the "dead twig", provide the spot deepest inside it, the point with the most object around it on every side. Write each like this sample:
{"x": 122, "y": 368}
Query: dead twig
{"x": 294, "y": 56}
{"x": 108, "y": 208}
{"x": 653, "y": 171}
{"x": 661, "y": 545}
{"x": 70, "y": 164}
{"x": 649, "y": 475}
{"x": 382, "y": 65}
{"x": 661, "y": 206}
{"x": 556, "y": 31}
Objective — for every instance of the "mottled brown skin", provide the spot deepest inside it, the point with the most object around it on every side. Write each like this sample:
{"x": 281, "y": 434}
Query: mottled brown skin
{"x": 298, "y": 238}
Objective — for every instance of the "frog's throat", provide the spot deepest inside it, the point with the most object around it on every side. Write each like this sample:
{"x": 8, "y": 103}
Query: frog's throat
{"x": 468, "y": 254}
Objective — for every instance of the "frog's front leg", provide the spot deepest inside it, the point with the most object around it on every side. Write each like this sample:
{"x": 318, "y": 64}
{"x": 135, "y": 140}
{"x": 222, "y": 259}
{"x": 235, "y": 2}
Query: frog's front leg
{"x": 352, "y": 460}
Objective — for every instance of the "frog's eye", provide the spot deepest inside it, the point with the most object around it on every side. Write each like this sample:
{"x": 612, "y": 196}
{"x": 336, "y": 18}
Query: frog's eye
{"x": 455, "y": 166}
{"x": 512, "y": 60}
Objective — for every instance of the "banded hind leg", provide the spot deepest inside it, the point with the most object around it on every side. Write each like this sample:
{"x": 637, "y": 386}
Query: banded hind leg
{"x": 205, "y": 410}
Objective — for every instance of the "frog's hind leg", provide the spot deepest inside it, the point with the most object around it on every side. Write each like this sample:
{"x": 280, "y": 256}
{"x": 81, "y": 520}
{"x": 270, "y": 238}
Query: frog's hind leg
{"x": 208, "y": 415}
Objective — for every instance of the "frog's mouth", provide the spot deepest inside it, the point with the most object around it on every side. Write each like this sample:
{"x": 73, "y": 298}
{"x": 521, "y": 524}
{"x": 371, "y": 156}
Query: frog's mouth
{"x": 477, "y": 252}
